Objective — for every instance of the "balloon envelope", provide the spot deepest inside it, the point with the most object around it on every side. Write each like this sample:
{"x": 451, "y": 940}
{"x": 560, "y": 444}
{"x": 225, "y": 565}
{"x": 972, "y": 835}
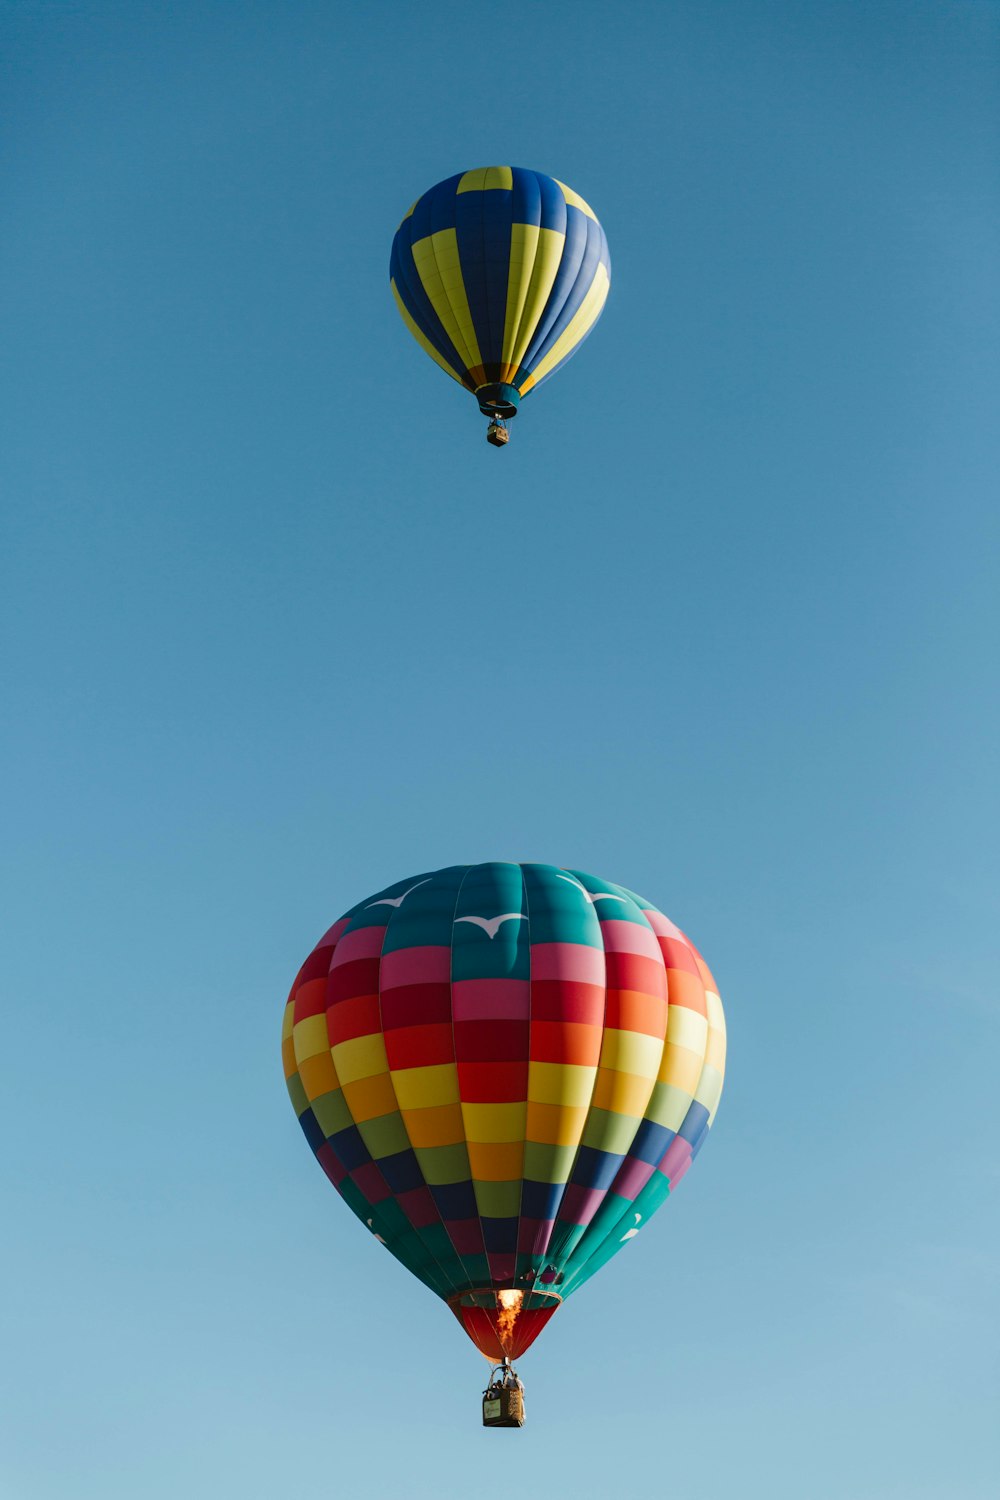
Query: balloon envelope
{"x": 504, "y": 1070}
{"x": 500, "y": 274}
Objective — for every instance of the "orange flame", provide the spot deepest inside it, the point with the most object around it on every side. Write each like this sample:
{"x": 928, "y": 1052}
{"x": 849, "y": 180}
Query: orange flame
{"x": 508, "y": 1308}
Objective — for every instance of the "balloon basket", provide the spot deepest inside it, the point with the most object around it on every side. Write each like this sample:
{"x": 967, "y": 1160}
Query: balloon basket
{"x": 503, "y": 1398}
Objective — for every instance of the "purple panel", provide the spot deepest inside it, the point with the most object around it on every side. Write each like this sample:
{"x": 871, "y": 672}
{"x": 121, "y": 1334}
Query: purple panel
{"x": 419, "y": 1207}
{"x": 334, "y": 1169}
{"x": 632, "y": 1177}
{"x": 370, "y": 1182}
{"x": 466, "y": 1235}
{"x": 677, "y": 1160}
{"x": 501, "y": 1266}
{"x": 534, "y": 1235}
{"x": 580, "y": 1204}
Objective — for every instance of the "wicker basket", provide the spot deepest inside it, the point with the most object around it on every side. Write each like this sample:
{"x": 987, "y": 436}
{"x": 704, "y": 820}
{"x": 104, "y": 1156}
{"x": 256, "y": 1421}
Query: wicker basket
{"x": 503, "y": 1406}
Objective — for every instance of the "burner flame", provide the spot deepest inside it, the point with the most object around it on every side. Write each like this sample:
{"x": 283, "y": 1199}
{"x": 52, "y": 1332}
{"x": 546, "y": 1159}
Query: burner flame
{"x": 508, "y": 1308}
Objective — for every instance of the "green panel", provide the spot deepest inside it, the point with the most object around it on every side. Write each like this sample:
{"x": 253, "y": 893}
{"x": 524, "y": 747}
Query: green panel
{"x": 478, "y": 1268}
{"x": 385, "y": 1135}
{"x": 609, "y": 1132}
{"x": 297, "y": 1094}
{"x": 332, "y": 1113}
{"x": 498, "y": 1200}
{"x": 442, "y": 1165}
{"x": 545, "y": 1163}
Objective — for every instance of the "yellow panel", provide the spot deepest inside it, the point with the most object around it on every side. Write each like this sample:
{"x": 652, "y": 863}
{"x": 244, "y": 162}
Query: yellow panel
{"x": 716, "y": 1015}
{"x": 438, "y": 1125}
{"x": 575, "y": 201}
{"x": 311, "y": 1036}
{"x": 583, "y": 320}
{"x": 481, "y": 179}
{"x": 472, "y": 182}
{"x": 631, "y": 1052}
{"x": 367, "y": 1098}
{"x": 668, "y": 1106}
{"x": 715, "y": 1052}
{"x": 622, "y": 1093}
{"x": 288, "y": 1020}
{"x": 496, "y": 1162}
{"x": 409, "y": 211}
{"x": 560, "y": 1083}
{"x": 360, "y": 1057}
{"x": 686, "y": 1028}
{"x": 681, "y": 1067}
{"x": 535, "y": 255}
{"x": 555, "y": 1126}
{"x": 440, "y": 270}
{"x": 418, "y": 1087}
{"x": 288, "y": 1057}
{"x": 422, "y": 338}
{"x": 494, "y": 1122}
{"x": 318, "y": 1074}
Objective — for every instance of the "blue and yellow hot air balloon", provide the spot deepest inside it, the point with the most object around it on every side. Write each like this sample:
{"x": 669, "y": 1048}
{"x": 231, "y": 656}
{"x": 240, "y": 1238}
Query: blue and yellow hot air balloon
{"x": 500, "y": 274}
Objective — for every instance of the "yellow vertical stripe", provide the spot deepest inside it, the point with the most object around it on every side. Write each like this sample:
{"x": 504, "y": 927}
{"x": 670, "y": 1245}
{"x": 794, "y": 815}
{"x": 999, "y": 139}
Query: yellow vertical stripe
{"x": 584, "y": 319}
{"x": 482, "y": 178}
{"x": 422, "y": 338}
{"x": 574, "y": 200}
{"x": 440, "y": 271}
{"x": 535, "y": 255}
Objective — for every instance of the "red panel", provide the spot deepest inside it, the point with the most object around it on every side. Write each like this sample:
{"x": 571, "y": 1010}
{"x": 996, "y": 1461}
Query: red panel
{"x": 316, "y": 966}
{"x": 351, "y": 1018}
{"x": 310, "y": 999}
{"x": 416, "y": 1005}
{"x": 359, "y": 977}
{"x": 631, "y": 971}
{"x": 419, "y": 1046}
{"x": 493, "y": 1083}
{"x": 567, "y": 1042}
{"x": 677, "y": 955}
{"x": 567, "y": 1000}
{"x": 481, "y": 1324}
{"x": 491, "y": 1041}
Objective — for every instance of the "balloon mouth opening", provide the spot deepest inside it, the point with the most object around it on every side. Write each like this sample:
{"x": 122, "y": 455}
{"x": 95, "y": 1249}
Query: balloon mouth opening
{"x": 498, "y": 400}
{"x": 503, "y": 1322}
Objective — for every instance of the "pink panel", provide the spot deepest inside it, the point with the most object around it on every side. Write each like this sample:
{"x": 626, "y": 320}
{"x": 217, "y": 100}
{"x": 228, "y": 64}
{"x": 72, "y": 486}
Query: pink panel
{"x": 429, "y": 965}
{"x": 567, "y": 961}
{"x": 363, "y": 942}
{"x": 629, "y": 937}
{"x": 491, "y": 999}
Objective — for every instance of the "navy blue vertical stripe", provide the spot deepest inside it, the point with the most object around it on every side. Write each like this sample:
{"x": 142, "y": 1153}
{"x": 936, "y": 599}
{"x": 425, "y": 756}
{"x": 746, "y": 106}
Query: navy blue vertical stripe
{"x": 482, "y": 224}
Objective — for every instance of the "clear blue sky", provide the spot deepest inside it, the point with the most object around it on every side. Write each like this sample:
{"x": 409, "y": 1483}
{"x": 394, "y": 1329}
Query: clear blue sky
{"x": 721, "y": 624}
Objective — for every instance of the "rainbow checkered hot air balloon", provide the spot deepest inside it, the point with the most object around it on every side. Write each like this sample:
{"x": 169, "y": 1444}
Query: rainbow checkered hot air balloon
{"x": 500, "y": 274}
{"x": 504, "y": 1070}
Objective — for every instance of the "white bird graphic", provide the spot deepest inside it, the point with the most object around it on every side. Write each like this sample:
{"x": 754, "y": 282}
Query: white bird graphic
{"x": 491, "y": 925}
{"x": 374, "y": 1231}
{"x": 630, "y": 1234}
{"x": 597, "y": 896}
{"x": 396, "y": 901}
